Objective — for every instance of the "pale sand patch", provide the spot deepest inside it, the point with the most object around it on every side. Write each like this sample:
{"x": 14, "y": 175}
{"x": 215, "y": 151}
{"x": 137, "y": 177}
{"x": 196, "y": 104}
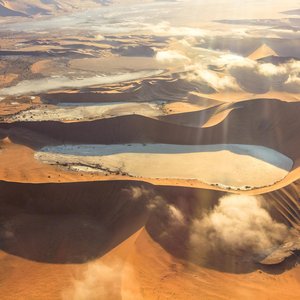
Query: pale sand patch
{"x": 89, "y": 112}
{"x": 228, "y": 166}
{"x": 36, "y": 86}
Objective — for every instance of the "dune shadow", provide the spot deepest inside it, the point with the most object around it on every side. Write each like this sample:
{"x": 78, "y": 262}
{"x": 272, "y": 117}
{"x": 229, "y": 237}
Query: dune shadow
{"x": 3, "y": 134}
{"x": 29, "y": 138}
{"x": 67, "y": 223}
{"x": 78, "y": 222}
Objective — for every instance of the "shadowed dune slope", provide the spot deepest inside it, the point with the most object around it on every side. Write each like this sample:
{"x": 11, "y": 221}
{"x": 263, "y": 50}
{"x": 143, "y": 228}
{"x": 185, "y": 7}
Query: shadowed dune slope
{"x": 67, "y": 223}
{"x": 270, "y": 123}
{"x": 78, "y": 222}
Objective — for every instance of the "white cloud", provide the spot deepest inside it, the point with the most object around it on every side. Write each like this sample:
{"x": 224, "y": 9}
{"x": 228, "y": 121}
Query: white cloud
{"x": 292, "y": 84}
{"x": 271, "y": 70}
{"x": 216, "y": 81}
{"x": 171, "y": 56}
{"x": 224, "y": 71}
{"x": 237, "y": 224}
{"x": 232, "y": 60}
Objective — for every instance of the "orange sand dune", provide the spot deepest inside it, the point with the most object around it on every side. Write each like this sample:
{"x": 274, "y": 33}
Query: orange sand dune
{"x": 114, "y": 222}
{"x": 149, "y": 275}
{"x": 265, "y": 122}
{"x": 176, "y": 280}
{"x": 131, "y": 271}
{"x": 269, "y": 123}
{"x": 262, "y": 52}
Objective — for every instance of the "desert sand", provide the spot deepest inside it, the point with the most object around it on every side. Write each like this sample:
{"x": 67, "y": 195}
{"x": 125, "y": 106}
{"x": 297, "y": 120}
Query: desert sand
{"x": 149, "y": 150}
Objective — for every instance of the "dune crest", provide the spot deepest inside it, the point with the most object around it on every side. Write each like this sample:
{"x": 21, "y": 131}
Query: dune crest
{"x": 263, "y": 51}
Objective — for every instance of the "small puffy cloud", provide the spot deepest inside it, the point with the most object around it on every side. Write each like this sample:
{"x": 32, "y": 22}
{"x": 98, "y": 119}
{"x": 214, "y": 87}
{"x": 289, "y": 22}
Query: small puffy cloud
{"x": 175, "y": 214}
{"x": 292, "y": 84}
{"x": 156, "y": 203}
{"x": 217, "y": 81}
{"x": 232, "y": 60}
{"x": 139, "y": 193}
{"x": 164, "y": 28}
{"x": 102, "y": 281}
{"x": 294, "y": 66}
{"x": 169, "y": 211}
{"x": 171, "y": 56}
{"x": 271, "y": 70}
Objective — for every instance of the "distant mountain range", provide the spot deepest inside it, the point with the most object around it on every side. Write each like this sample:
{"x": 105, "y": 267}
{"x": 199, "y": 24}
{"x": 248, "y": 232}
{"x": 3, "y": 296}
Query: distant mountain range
{"x": 30, "y": 8}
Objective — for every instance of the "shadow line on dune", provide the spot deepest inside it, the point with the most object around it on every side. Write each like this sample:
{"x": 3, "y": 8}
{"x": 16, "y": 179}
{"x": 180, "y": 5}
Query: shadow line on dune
{"x": 67, "y": 223}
